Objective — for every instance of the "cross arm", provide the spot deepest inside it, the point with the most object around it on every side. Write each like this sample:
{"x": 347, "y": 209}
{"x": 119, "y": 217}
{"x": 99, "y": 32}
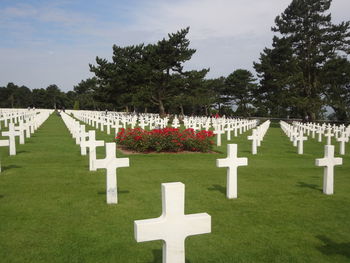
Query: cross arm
{"x": 197, "y": 224}
{"x": 149, "y": 229}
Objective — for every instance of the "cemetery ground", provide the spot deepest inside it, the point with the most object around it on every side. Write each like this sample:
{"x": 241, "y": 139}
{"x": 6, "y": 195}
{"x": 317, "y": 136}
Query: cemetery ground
{"x": 53, "y": 209}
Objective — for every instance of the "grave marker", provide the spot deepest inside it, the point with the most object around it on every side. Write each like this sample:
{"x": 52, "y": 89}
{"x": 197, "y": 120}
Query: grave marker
{"x": 328, "y": 162}
{"x": 232, "y": 162}
{"x": 111, "y": 163}
{"x": 173, "y": 226}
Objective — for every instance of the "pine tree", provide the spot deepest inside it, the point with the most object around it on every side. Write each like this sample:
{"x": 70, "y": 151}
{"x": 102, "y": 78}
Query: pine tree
{"x": 306, "y": 39}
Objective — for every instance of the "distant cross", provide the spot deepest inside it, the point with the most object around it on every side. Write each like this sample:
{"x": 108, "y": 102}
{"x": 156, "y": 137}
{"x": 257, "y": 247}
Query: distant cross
{"x": 319, "y": 132}
{"x": 328, "y": 162}
{"x": 232, "y": 162}
{"x": 20, "y": 128}
{"x": 254, "y": 138}
{"x": 92, "y": 144}
{"x": 173, "y": 226}
{"x": 27, "y": 128}
{"x": 235, "y": 129}
{"x": 293, "y": 136}
{"x": 83, "y": 134}
{"x": 300, "y": 139}
{"x": 207, "y": 125}
{"x": 313, "y": 130}
{"x": 342, "y": 139}
{"x": 329, "y": 136}
{"x": 116, "y": 127}
{"x": 4, "y": 143}
{"x": 229, "y": 129}
{"x": 11, "y": 133}
{"x": 218, "y": 133}
{"x": 111, "y": 163}
{"x": 108, "y": 123}
{"x": 175, "y": 124}
{"x": 142, "y": 124}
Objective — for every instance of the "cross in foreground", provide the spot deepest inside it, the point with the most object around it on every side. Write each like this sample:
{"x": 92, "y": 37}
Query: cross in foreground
{"x": 173, "y": 226}
{"x": 111, "y": 163}
{"x": 328, "y": 162}
{"x": 231, "y": 162}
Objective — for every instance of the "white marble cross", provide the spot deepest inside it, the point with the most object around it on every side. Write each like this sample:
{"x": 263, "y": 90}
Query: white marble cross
{"x": 319, "y": 132}
{"x": 4, "y": 143}
{"x": 176, "y": 123}
{"x": 293, "y": 136}
{"x": 111, "y": 163}
{"x": 218, "y": 133}
{"x": 116, "y": 127}
{"x": 173, "y": 226}
{"x": 254, "y": 138}
{"x": 229, "y": 129}
{"x": 82, "y": 134}
{"x": 342, "y": 139}
{"x": 11, "y": 133}
{"x": 328, "y": 162}
{"x": 300, "y": 139}
{"x": 92, "y": 144}
{"x": 329, "y": 136}
{"x": 231, "y": 162}
{"x": 20, "y": 128}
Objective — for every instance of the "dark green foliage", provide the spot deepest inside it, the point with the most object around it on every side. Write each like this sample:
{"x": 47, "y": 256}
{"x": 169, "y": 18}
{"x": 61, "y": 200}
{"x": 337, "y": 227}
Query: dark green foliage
{"x": 13, "y": 96}
{"x": 240, "y": 87}
{"x": 76, "y": 105}
{"x": 148, "y": 76}
{"x": 291, "y": 71}
{"x": 336, "y": 78}
{"x": 84, "y": 93}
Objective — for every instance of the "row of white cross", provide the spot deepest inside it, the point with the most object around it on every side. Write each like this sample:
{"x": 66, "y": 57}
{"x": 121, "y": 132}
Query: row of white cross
{"x": 100, "y": 120}
{"x": 232, "y": 162}
{"x": 15, "y": 116}
{"x": 297, "y": 131}
{"x": 222, "y": 126}
{"x": 87, "y": 140}
{"x": 27, "y": 125}
{"x": 258, "y": 136}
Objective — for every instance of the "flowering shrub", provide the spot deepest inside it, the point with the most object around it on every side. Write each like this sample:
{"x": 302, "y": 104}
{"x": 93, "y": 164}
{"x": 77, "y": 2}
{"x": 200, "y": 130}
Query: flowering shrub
{"x": 165, "y": 140}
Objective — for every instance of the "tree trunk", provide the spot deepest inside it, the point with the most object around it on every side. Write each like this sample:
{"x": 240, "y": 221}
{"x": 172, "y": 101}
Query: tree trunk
{"x": 161, "y": 108}
{"x": 206, "y": 110}
{"x": 181, "y": 110}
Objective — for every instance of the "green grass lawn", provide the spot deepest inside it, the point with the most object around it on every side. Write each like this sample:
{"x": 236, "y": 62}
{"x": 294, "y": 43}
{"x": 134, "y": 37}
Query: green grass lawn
{"x": 52, "y": 209}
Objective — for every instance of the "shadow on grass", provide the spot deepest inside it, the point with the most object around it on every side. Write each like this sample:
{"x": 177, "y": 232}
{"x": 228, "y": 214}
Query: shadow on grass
{"x": 219, "y": 188}
{"x": 118, "y": 191}
{"x": 12, "y": 166}
{"x": 311, "y": 186}
{"x": 1, "y": 196}
{"x": 20, "y": 152}
{"x": 158, "y": 255}
{"x": 332, "y": 248}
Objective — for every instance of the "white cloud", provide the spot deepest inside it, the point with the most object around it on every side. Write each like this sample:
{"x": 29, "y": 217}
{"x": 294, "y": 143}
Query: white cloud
{"x": 207, "y": 18}
{"x": 228, "y": 34}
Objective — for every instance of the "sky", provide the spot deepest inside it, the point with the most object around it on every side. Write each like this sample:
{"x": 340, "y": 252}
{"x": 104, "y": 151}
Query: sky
{"x": 46, "y": 42}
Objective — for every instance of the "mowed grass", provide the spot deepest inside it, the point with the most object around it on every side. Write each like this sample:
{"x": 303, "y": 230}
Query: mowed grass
{"x": 52, "y": 209}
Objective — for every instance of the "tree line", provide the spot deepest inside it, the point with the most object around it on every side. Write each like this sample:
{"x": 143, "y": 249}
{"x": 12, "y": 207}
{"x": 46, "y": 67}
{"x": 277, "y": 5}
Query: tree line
{"x": 306, "y": 70}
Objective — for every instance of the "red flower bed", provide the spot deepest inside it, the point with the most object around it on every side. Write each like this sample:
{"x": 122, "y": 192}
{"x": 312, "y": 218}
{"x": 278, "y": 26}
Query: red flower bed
{"x": 165, "y": 140}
